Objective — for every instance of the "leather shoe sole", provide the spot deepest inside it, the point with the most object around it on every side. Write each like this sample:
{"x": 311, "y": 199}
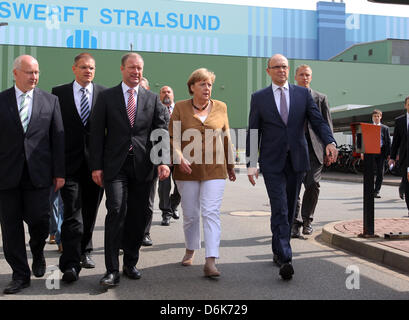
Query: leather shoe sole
{"x": 16, "y": 286}
{"x": 286, "y": 271}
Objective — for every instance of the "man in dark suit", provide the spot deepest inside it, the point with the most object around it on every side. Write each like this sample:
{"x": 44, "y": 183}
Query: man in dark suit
{"x": 168, "y": 203}
{"x": 81, "y": 196}
{"x": 276, "y": 132}
{"x": 120, "y": 149}
{"x": 400, "y": 144}
{"x": 32, "y": 160}
{"x": 385, "y": 151}
{"x": 316, "y": 152}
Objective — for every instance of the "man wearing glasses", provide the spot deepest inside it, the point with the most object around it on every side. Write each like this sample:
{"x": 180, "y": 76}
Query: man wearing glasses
{"x": 276, "y": 138}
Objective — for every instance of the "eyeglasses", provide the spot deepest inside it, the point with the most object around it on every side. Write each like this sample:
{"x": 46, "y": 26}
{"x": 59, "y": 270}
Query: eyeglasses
{"x": 29, "y": 73}
{"x": 278, "y": 67}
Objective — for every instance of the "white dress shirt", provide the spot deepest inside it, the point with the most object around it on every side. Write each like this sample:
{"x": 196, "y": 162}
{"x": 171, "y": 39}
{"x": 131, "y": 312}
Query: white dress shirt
{"x": 78, "y": 94}
{"x": 29, "y": 96}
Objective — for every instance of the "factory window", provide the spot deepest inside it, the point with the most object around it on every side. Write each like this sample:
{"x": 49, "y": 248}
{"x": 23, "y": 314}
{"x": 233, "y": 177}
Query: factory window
{"x": 370, "y": 52}
{"x": 355, "y": 57}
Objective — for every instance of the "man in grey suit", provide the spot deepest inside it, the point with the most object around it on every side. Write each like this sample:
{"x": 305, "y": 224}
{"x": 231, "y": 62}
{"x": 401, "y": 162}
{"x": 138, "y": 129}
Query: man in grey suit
{"x": 120, "y": 160}
{"x": 316, "y": 150}
{"x": 32, "y": 160}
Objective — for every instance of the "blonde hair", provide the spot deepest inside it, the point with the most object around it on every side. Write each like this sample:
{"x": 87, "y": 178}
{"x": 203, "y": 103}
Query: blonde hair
{"x": 199, "y": 75}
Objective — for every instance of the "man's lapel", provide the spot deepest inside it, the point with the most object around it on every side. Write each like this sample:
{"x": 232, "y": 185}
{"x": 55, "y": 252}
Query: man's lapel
{"x": 37, "y": 106}
{"x": 13, "y": 107}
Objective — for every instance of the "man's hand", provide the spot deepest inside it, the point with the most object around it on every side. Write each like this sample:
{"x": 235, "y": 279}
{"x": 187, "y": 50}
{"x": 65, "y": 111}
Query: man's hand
{"x": 163, "y": 172}
{"x": 58, "y": 183}
{"x": 232, "y": 174}
{"x": 250, "y": 173}
{"x": 391, "y": 162}
{"x": 331, "y": 152}
{"x": 98, "y": 177}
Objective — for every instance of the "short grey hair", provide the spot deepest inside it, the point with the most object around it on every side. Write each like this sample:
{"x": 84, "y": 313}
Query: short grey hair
{"x": 19, "y": 59}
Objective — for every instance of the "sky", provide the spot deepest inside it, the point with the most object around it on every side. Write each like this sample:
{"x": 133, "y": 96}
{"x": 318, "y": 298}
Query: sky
{"x": 352, "y": 6}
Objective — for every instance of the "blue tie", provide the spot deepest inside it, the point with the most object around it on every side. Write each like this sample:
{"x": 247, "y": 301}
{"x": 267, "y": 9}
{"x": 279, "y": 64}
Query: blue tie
{"x": 85, "y": 111}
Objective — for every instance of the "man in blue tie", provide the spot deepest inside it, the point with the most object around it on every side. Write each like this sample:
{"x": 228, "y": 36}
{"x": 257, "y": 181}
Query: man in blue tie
{"x": 276, "y": 138}
{"x": 81, "y": 196}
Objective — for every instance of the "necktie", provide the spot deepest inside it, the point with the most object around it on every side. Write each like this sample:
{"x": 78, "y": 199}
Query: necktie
{"x": 283, "y": 106}
{"x": 131, "y": 106}
{"x": 85, "y": 111}
{"x": 23, "y": 111}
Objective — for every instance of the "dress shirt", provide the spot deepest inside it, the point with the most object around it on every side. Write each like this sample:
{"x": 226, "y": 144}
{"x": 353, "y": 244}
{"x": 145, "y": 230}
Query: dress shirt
{"x": 277, "y": 95}
{"x": 78, "y": 94}
{"x": 29, "y": 96}
{"x": 125, "y": 89}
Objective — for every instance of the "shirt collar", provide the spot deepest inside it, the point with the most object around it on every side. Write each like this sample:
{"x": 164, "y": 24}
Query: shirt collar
{"x": 77, "y": 87}
{"x": 125, "y": 88}
{"x": 275, "y": 87}
{"x": 19, "y": 92}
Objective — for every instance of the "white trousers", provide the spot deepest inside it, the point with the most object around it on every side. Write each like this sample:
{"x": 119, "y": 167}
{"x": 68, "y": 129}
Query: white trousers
{"x": 203, "y": 197}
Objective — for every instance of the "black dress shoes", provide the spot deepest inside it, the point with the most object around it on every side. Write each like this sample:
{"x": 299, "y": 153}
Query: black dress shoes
{"x": 165, "y": 221}
{"x": 38, "y": 266}
{"x": 307, "y": 228}
{"x": 132, "y": 272}
{"x": 175, "y": 214}
{"x": 16, "y": 286}
{"x": 286, "y": 271}
{"x": 86, "y": 261}
{"x": 147, "y": 241}
{"x": 70, "y": 275}
{"x": 110, "y": 280}
{"x": 295, "y": 230}
{"x": 276, "y": 260}
{"x": 376, "y": 195}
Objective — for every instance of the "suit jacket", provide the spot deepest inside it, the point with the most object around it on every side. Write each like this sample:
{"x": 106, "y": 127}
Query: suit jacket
{"x": 318, "y": 147}
{"x": 77, "y": 137}
{"x": 386, "y": 138}
{"x": 400, "y": 142}
{"x": 220, "y": 151}
{"x": 275, "y": 138}
{"x": 112, "y": 134}
{"x": 41, "y": 147}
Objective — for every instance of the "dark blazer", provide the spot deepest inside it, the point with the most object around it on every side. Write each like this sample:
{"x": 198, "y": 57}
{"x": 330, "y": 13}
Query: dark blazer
{"x": 112, "y": 134}
{"x": 77, "y": 137}
{"x": 386, "y": 138}
{"x": 42, "y": 145}
{"x": 275, "y": 138}
{"x": 321, "y": 101}
{"x": 400, "y": 142}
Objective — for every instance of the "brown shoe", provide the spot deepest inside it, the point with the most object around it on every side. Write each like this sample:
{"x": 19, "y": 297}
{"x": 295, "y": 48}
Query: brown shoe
{"x": 211, "y": 271}
{"x": 188, "y": 258}
{"x": 60, "y": 248}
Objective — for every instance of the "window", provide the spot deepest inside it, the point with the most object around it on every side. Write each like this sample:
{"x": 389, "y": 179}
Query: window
{"x": 355, "y": 57}
{"x": 370, "y": 52}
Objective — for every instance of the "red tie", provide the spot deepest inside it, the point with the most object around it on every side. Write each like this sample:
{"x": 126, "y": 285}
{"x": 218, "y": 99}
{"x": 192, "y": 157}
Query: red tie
{"x": 131, "y": 107}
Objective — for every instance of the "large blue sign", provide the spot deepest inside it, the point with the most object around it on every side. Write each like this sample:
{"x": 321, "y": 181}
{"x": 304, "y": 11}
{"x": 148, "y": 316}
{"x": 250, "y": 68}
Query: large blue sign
{"x": 187, "y": 27}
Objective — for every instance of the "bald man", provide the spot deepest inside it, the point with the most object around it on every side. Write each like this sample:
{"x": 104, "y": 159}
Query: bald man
{"x": 276, "y": 120}
{"x": 32, "y": 161}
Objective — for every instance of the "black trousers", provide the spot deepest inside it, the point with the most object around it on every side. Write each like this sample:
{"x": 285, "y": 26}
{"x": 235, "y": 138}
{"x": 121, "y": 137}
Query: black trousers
{"x": 311, "y": 183}
{"x": 168, "y": 202}
{"x": 31, "y": 205}
{"x": 127, "y": 203}
{"x": 379, "y": 170}
{"x": 81, "y": 197}
{"x": 151, "y": 202}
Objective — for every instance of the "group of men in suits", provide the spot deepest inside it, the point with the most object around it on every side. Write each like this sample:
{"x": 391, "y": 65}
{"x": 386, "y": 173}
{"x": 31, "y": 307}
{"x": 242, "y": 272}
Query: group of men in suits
{"x": 106, "y": 145}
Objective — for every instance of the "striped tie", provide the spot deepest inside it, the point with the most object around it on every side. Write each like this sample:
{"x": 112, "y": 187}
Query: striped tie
{"x": 84, "y": 106}
{"x": 131, "y": 106}
{"x": 23, "y": 111}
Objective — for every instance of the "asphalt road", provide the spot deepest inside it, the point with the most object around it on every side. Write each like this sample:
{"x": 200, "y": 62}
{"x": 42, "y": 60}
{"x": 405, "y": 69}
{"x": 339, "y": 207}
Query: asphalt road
{"x": 248, "y": 273}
